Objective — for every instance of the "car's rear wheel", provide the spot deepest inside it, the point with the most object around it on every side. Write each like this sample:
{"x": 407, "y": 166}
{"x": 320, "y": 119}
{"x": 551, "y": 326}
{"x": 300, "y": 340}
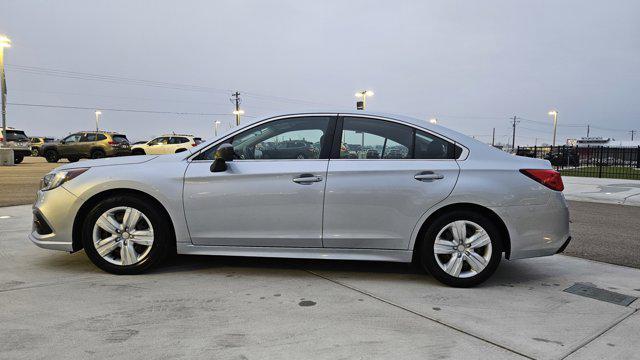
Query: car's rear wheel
{"x": 126, "y": 235}
{"x": 97, "y": 154}
{"x": 51, "y": 156}
{"x": 34, "y": 152}
{"x": 138, "y": 152}
{"x": 462, "y": 248}
{"x": 180, "y": 150}
{"x": 18, "y": 159}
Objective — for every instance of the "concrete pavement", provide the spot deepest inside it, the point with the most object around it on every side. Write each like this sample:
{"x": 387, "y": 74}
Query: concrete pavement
{"x": 56, "y": 305}
{"x": 613, "y": 191}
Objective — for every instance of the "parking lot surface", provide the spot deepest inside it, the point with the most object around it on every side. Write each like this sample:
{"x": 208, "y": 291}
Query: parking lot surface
{"x": 56, "y": 305}
{"x": 19, "y": 183}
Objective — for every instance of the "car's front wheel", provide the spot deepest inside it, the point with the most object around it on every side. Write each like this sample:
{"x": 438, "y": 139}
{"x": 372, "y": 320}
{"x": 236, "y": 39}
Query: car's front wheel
{"x": 462, "y": 248}
{"x": 51, "y": 156}
{"x": 126, "y": 235}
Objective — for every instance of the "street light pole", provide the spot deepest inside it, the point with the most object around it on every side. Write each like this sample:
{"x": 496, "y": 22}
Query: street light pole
{"x": 98, "y": 113}
{"x": 554, "y": 113}
{"x": 4, "y": 43}
{"x": 215, "y": 131}
{"x": 363, "y": 94}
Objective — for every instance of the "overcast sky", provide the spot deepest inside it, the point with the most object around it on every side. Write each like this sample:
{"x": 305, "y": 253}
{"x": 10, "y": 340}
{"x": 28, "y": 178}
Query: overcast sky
{"x": 471, "y": 64}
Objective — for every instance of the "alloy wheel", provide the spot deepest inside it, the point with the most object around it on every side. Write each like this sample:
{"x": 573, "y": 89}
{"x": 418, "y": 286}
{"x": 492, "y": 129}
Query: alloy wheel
{"x": 462, "y": 249}
{"x": 123, "y": 236}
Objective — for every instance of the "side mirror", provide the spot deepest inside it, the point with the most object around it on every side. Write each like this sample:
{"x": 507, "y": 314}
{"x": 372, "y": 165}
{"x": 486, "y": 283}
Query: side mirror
{"x": 223, "y": 154}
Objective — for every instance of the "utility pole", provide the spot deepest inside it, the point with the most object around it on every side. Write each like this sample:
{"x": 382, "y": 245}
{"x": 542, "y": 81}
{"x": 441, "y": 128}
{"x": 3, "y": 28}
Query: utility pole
{"x": 4, "y": 43}
{"x": 235, "y": 98}
{"x": 633, "y": 132}
{"x": 98, "y": 113}
{"x": 588, "y": 128}
{"x": 493, "y": 137}
{"x": 515, "y": 122}
{"x": 554, "y": 113}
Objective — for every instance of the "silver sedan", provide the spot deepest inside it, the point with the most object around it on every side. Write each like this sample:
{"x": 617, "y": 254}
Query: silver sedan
{"x": 346, "y": 186}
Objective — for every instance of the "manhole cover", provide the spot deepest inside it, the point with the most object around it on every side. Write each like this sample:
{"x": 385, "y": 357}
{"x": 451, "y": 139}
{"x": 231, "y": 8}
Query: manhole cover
{"x": 600, "y": 294}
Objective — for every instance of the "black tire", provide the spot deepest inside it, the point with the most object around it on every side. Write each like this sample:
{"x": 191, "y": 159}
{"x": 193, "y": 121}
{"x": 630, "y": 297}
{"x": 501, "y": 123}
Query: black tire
{"x": 35, "y": 152}
{"x": 162, "y": 242}
{"x": 98, "y": 154}
{"x": 17, "y": 159}
{"x": 73, "y": 158}
{"x": 301, "y": 156}
{"x": 180, "y": 150}
{"x": 428, "y": 258}
{"x": 138, "y": 152}
{"x": 51, "y": 156}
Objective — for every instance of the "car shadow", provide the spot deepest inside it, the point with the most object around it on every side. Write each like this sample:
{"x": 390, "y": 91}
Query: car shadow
{"x": 509, "y": 273}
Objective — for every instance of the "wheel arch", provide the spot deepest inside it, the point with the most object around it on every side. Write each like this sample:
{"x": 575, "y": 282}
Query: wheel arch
{"x": 97, "y": 148}
{"x": 96, "y": 198}
{"x": 502, "y": 227}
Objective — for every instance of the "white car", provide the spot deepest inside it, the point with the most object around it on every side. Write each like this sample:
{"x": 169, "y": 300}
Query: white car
{"x": 18, "y": 141}
{"x": 166, "y": 144}
{"x": 443, "y": 200}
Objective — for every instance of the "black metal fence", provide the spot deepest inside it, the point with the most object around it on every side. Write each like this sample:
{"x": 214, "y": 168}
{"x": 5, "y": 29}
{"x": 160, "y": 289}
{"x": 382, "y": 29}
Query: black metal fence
{"x": 600, "y": 161}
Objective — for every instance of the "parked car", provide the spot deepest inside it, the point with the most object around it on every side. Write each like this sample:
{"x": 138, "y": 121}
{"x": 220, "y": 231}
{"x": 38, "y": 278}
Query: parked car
{"x": 18, "y": 141}
{"x": 453, "y": 205}
{"x": 564, "y": 158}
{"x": 165, "y": 144}
{"x": 37, "y": 142}
{"x": 291, "y": 149}
{"x": 87, "y": 144}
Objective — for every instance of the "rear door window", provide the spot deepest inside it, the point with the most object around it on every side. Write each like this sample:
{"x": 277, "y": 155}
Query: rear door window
{"x": 428, "y": 146}
{"x": 88, "y": 138}
{"x": 364, "y": 138}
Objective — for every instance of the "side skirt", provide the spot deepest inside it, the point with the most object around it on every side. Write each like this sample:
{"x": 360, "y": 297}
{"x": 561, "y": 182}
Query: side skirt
{"x": 299, "y": 253}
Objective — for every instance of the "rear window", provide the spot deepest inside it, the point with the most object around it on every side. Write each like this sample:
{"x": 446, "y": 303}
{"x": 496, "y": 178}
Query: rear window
{"x": 16, "y": 135}
{"x": 121, "y": 139}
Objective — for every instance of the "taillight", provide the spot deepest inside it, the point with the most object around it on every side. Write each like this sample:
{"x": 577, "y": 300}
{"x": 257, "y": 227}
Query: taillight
{"x": 548, "y": 178}
{"x": 112, "y": 142}
{"x": 194, "y": 144}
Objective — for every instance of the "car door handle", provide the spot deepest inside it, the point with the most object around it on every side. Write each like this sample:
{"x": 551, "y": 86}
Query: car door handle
{"x": 307, "y": 179}
{"x": 428, "y": 176}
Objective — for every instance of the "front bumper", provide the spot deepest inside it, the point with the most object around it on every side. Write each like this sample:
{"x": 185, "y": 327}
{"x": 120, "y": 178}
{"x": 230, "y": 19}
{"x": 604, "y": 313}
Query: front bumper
{"x": 54, "y": 213}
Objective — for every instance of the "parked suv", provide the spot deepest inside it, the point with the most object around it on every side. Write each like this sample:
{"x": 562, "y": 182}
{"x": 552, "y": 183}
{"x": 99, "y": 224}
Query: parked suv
{"x": 296, "y": 149}
{"x": 18, "y": 141}
{"x": 87, "y": 144}
{"x": 37, "y": 142}
{"x": 166, "y": 144}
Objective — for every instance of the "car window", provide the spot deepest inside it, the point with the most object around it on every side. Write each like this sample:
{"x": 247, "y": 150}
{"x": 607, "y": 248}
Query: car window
{"x": 16, "y": 135}
{"x": 364, "y": 138}
{"x": 293, "y": 138}
{"x": 72, "y": 138}
{"x": 181, "y": 140}
{"x": 48, "y": 140}
{"x": 120, "y": 139}
{"x": 102, "y": 137}
{"x": 428, "y": 146}
{"x": 162, "y": 140}
{"x": 89, "y": 137}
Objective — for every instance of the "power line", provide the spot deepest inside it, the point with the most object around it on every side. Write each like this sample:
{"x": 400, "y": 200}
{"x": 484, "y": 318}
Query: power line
{"x": 118, "y": 109}
{"x": 149, "y": 83}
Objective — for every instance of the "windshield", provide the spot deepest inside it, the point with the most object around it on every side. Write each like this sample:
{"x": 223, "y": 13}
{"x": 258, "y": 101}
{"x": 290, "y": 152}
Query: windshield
{"x": 16, "y": 135}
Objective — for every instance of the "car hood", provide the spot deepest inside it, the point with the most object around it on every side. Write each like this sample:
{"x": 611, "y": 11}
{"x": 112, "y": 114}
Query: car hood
{"x": 124, "y": 160}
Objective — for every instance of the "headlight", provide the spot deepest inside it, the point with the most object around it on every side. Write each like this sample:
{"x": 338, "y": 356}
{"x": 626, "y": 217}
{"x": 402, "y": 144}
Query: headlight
{"x": 55, "y": 179}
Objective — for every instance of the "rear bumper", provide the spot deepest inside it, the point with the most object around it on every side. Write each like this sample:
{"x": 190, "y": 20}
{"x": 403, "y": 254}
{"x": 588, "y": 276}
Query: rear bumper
{"x": 537, "y": 230}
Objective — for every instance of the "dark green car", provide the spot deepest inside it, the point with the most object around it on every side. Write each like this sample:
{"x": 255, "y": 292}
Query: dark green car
{"x": 88, "y": 145}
